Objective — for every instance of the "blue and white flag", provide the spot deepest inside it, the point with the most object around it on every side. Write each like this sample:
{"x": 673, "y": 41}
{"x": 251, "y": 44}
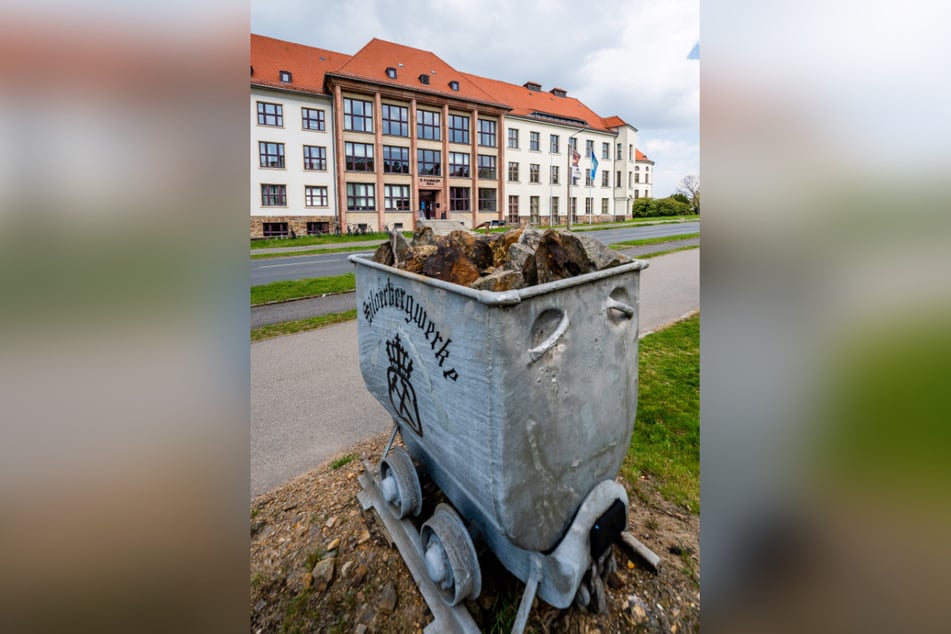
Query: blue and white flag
{"x": 594, "y": 164}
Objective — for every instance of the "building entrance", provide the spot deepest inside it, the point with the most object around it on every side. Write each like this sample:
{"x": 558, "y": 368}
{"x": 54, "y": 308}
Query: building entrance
{"x": 429, "y": 207}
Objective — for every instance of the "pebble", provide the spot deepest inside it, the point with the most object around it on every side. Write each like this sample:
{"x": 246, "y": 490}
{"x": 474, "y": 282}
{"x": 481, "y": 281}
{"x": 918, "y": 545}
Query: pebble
{"x": 360, "y": 629}
{"x": 364, "y": 536}
{"x": 388, "y": 600}
{"x": 630, "y": 565}
{"x": 323, "y": 573}
{"x": 360, "y": 574}
{"x": 330, "y": 523}
{"x": 346, "y": 568}
{"x": 334, "y": 544}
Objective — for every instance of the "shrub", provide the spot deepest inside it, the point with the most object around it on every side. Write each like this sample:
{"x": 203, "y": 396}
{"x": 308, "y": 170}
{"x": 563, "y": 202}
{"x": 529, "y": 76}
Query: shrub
{"x": 655, "y": 207}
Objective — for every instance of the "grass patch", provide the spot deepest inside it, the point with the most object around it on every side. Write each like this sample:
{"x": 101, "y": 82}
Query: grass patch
{"x": 298, "y": 289}
{"x": 301, "y": 325}
{"x": 660, "y": 240}
{"x": 291, "y": 254}
{"x": 666, "y": 440}
{"x": 306, "y": 241}
{"x": 345, "y": 460}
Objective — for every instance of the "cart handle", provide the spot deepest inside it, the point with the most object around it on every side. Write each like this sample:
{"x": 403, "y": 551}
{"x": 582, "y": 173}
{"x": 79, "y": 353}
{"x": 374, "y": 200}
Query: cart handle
{"x": 621, "y": 306}
{"x": 536, "y": 353}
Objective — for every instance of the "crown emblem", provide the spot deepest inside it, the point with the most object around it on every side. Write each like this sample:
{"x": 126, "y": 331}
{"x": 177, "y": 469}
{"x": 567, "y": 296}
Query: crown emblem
{"x": 402, "y": 394}
{"x": 399, "y": 358}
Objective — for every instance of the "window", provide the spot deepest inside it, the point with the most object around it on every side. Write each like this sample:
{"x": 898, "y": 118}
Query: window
{"x": 361, "y": 196}
{"x": 604, "y": 206}
{"x": 587, "y": 178}
{"x": 588, "y": 205}
{"x": 637, "y": 194}
{"x": 605, "y": 150}
{"x": 358, "y": 156}
{"x": 270, "y": 114}
{"x": 285, "y": 76}
{"x": 316, "y": 227}
{"x": 620, "y": 152}
{"x": 458, "y": 199}
{"x": 424, "y": 79}
{"x": 553, "y": 143}
{"x": 487, "y": 132}
{"x": 637, "y": 168}
{"x": 617, "y": 181}
{"x": 487, "y": 199}
{"x": 534, "y": 141}
{"x": 572, "y": 144}
{"x": 272, "y": 154}
{"x": 459, "y": 164}
{"x": 395, "y": 120}
{"x": 486, "y": 166}
{"x": 275, "y": 229}
{"x": 396, "y": 197}
{"x": 630, "y": 152}
{"x": 458, "y": 129}
{"x": 573, "y": 206}
{"x": 554, "y": 174}
{"x": 534, "y": 171}
{"x": 605, "y": 177}
{"x": 357, "y": 115}
{"x": 315, "y": 196}
{"x": 312, "y": 119}
{"x": 554, "y": 205}
{"x": 513, "y": 138}
{"x": 637, "y": 178}
{"x": 647, "y": 168}
{"x": 315, "y": 157}
{"x": 427, "y": 125}
{"x": 589, "y": 148}
{"x": 454, "y": 85}
{"x": 630, "y": 183}
{"x": 513, "y": 208}
{"x": 391, "y": 72}
{"x": 513, "y": 171}
{"x": 429, "y": 162}
{"x": 395, "y": 160}
{"x": 274, "y": 195}
{"x": 533, "y": 208}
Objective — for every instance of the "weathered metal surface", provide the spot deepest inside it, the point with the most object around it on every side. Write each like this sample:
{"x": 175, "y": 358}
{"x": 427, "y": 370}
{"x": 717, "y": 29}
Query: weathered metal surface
{"x": 527, "y": 397}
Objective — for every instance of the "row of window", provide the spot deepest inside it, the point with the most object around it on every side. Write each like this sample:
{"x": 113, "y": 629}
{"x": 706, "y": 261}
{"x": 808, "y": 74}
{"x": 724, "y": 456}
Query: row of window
{"x": 272, "y": 155}
{"x": 358, "y": 117}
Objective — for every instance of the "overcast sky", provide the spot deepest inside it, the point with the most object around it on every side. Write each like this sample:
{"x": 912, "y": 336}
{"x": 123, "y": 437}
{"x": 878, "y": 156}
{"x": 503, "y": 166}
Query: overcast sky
{"x": 620, "y": 58}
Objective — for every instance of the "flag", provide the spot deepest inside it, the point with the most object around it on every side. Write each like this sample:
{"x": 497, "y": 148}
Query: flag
{"x": 594, "y": 164}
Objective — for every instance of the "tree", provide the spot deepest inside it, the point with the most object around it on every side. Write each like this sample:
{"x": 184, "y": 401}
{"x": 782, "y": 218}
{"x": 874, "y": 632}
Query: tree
{"x": 690, "y": 187}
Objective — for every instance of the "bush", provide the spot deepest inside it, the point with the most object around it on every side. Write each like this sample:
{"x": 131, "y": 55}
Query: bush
{"x": 655, "y": 207}
{"x": 680, "y": 197}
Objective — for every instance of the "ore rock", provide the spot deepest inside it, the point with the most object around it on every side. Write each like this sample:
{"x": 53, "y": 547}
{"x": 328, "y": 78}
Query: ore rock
{"x": 500, "y": 280}
{"x": 450, "y": 264}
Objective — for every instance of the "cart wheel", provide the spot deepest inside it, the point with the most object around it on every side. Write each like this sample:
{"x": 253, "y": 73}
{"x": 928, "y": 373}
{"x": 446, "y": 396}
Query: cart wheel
{"x": 451, "y": 559}
{"x": 400, "y": 484}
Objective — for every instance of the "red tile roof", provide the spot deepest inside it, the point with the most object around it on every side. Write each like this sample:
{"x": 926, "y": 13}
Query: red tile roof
{"x": 640, "y": 156}
{"x": 371, "y": 61}
{"x": 525, "y": 102}
{"x": 306, "y": 64}
{"x": 309, "y": 66}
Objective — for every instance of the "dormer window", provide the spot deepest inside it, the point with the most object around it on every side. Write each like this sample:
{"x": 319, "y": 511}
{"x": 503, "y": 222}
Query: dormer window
{"x": 285, "y": 76}
{"x": 534, "y": 87}
{"x": 454, "y": 85}
{"x": 391, "y": 72}
{"x": 424, "y": 79}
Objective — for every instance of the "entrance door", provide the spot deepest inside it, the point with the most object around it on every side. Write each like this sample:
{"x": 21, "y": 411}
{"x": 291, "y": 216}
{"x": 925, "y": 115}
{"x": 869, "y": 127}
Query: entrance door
{"x": 427, "y": 204}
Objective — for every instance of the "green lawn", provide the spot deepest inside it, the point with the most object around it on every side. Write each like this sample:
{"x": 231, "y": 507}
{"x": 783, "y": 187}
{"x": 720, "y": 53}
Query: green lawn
{"x": 666, "y": 441}
{"x": 306, "y": 241}
{"x": 296, "y": 289}
{"x": 301, "y": 325}
{"x": 660, "y": 240}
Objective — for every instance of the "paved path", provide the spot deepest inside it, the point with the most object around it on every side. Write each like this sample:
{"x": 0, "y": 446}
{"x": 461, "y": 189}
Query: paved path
{"x": 309, "y": 402}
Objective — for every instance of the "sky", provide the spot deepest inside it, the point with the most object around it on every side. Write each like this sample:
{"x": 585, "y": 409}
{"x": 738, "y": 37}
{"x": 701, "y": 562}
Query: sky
{"x": 638, "y": 60}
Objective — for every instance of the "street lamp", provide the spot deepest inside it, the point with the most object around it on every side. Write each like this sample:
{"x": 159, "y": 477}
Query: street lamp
{"x": 570, "y": 175}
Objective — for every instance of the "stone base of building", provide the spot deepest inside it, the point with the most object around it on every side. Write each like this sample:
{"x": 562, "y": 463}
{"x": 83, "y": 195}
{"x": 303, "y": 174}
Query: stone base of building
{"x": 290, "y": 226}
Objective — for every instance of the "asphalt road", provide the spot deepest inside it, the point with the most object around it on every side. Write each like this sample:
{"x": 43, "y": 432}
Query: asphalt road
{"x": 304, "y": 266}
{"x": 309, "y": 402}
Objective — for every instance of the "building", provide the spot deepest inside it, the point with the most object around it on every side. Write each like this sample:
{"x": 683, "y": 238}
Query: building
{"x": 392, "y": 134}
{"x": 642, "y": 175}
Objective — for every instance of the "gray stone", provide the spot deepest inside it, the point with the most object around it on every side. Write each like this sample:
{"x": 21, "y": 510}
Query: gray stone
{"x": 323, "y": 573}
{"x": 518, "y": 255}
{"x": 399, "y": 246}
{"x": 500, "y": 280}
{"x": 530, "y": 238}
{"x": 388, "y": 598}
{"x": 600, "y": 255}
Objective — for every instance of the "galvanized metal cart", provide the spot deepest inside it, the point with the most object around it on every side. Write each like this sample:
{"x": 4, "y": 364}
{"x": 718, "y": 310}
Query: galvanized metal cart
{"x": 520, "y": 406}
